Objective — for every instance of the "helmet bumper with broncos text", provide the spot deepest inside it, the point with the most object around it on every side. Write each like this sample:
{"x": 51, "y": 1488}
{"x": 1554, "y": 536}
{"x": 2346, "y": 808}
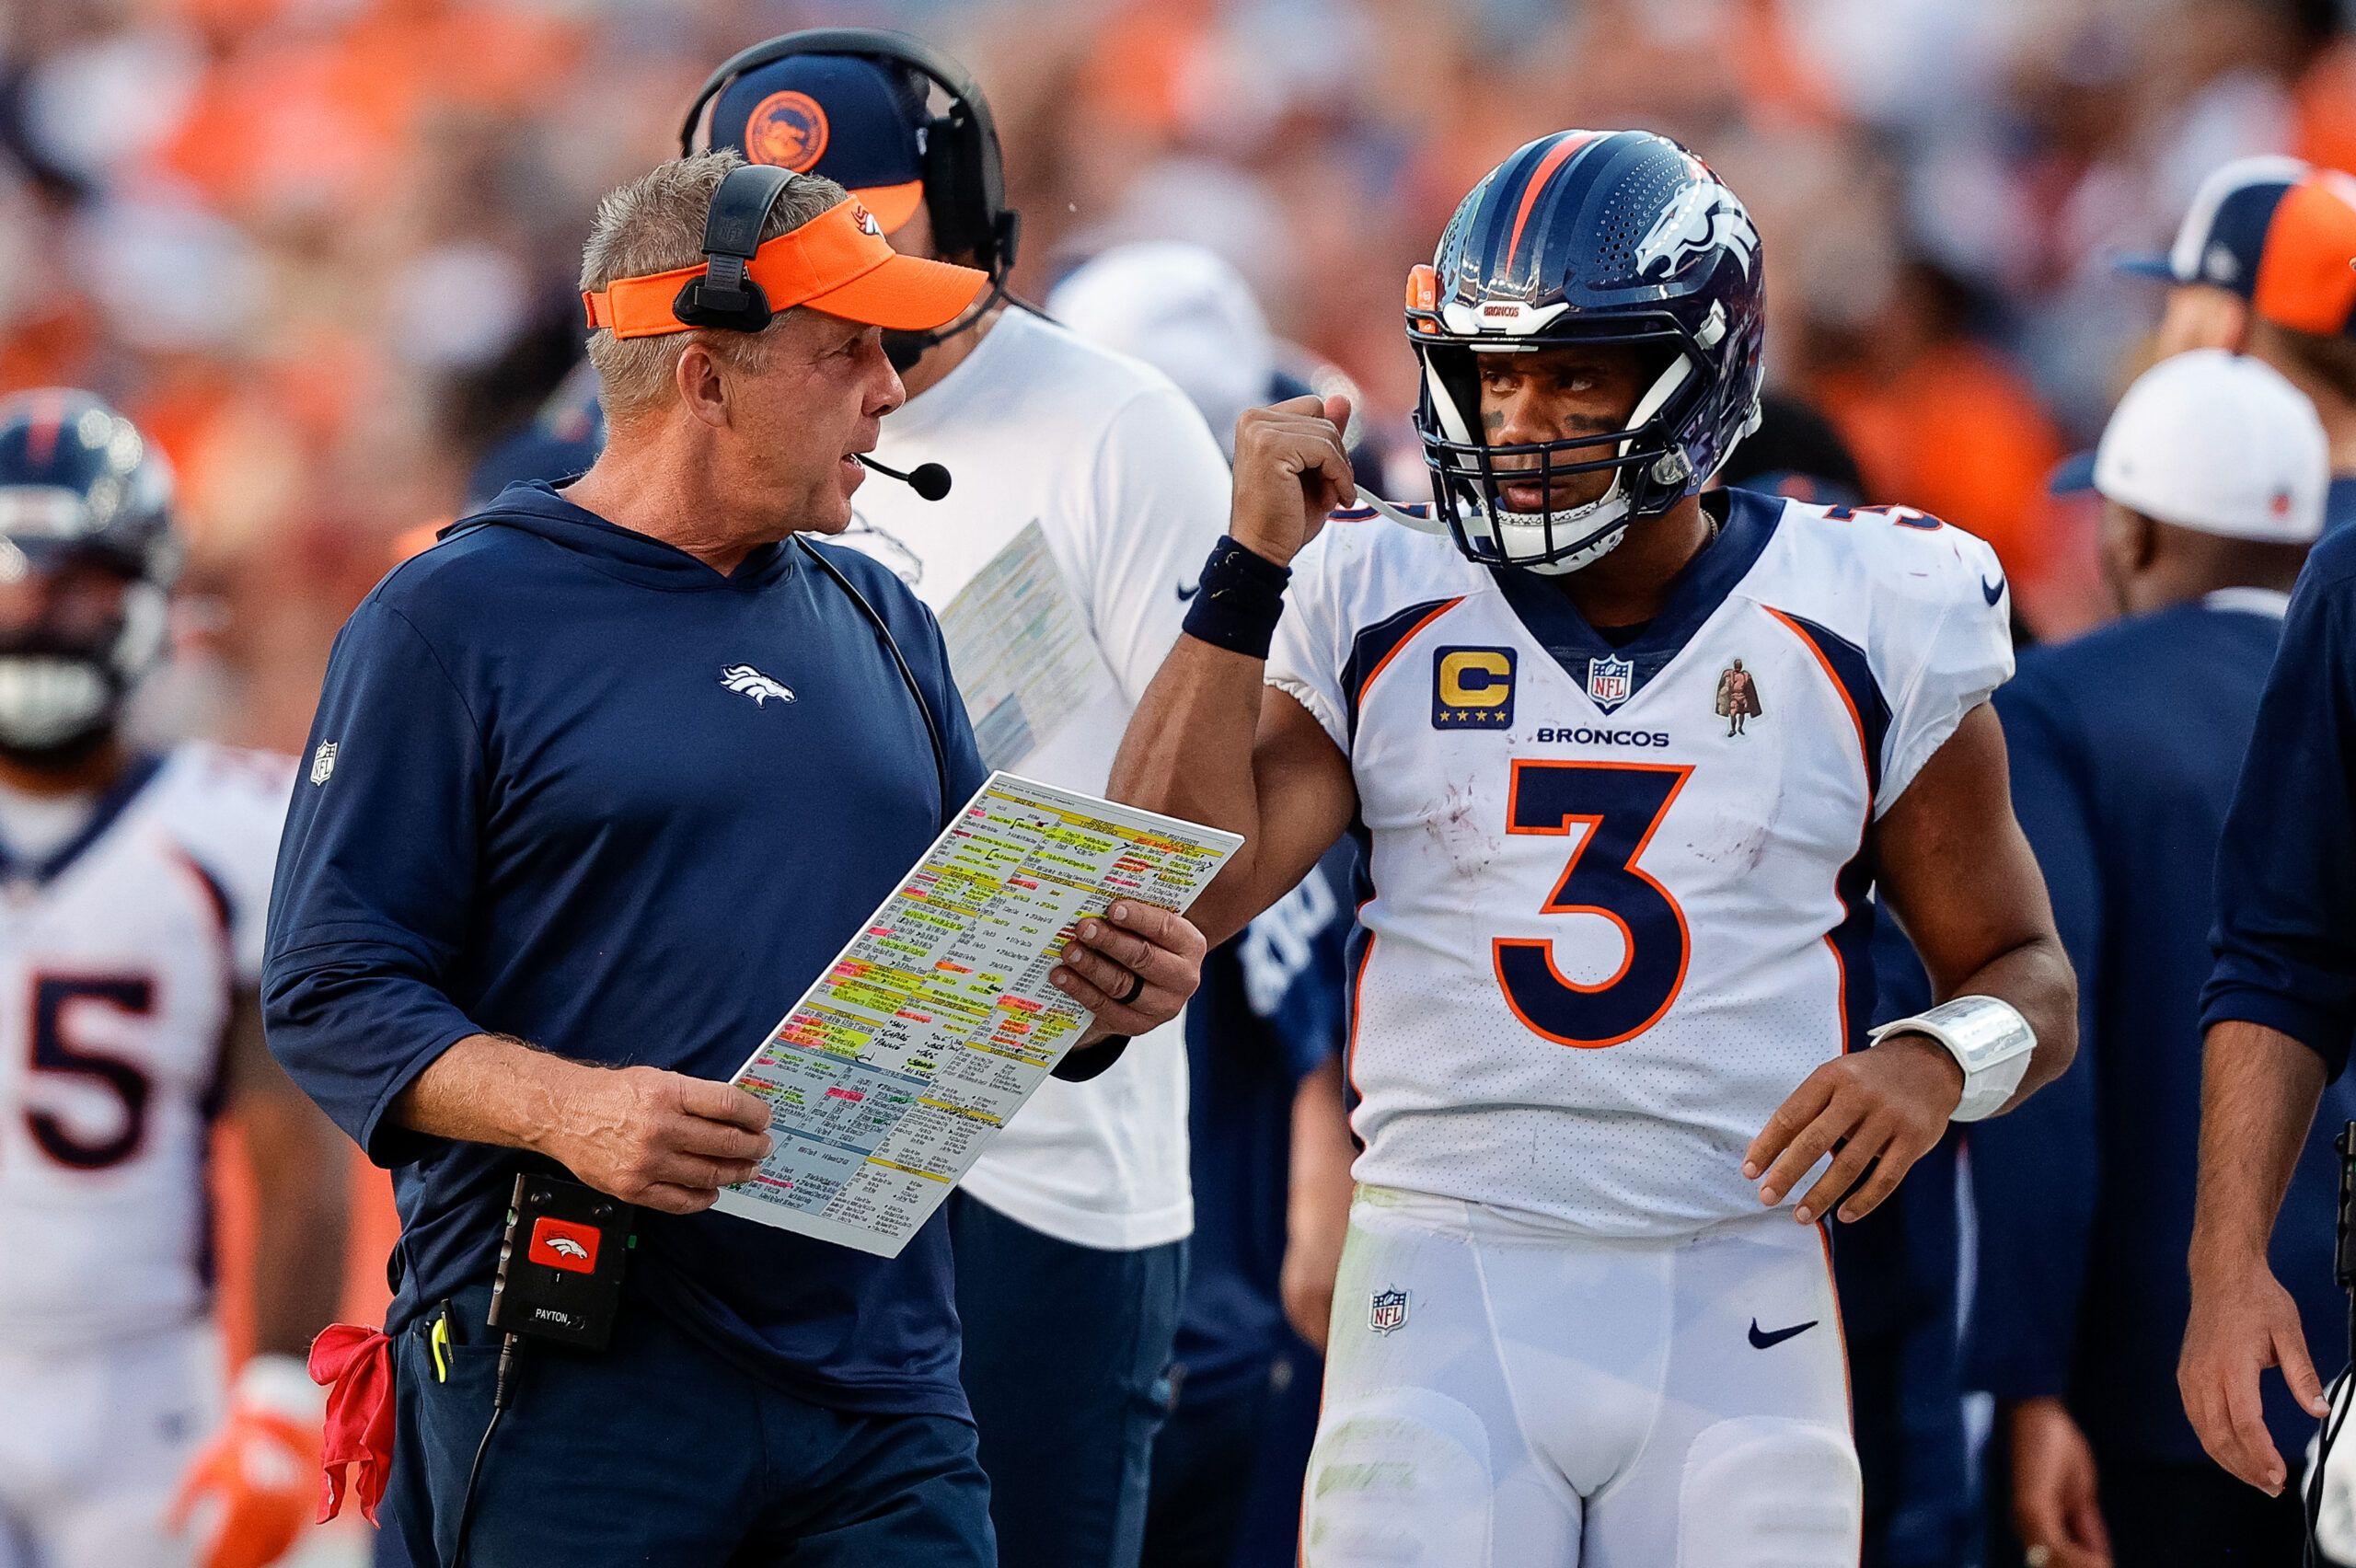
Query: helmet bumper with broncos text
{"x": 82, "y": 493}
{"x": 1618, "y": 237}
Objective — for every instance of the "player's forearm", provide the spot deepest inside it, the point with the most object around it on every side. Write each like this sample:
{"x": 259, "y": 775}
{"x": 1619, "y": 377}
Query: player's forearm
{"x": 489, "y": 1089}
{"x": 301, "y": 1168}
{"x": 1321, "y": 1155}
{"x": 1188, "y": 753}
{"x": 2036, "y": 978}
{"x": 2259, "y": 1093}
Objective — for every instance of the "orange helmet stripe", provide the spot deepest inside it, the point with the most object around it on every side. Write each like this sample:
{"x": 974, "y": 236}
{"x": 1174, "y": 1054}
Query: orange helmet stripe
{"x": 41, "y": 436}
{"x": 1539, "y": 178}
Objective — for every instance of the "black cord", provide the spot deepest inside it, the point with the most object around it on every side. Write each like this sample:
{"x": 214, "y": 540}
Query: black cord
{"x": 908, "y": 676}
{"x": 2337, "y": 1399}
{"x": 502, "y": 1392}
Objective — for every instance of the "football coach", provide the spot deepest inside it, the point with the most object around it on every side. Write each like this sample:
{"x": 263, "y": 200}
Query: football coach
{"x": 597, "y": 785}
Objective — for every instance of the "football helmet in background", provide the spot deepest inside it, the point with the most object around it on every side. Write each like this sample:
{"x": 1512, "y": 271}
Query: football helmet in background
{"x": 1621, "y": 237}
{"x": 88, "y": 553}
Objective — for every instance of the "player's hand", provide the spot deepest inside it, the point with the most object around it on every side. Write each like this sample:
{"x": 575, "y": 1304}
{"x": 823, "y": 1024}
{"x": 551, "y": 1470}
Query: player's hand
{"x": 1291, "y": 470}
{"x": 2242, "y": 1322}
{"x": 660, "y": 1139}
{"x": 254, "y": 1486}
{"x": 1146, "y": 957}
{"x": 1876, "y": 1111}
{"x": 2054, "y": 1500}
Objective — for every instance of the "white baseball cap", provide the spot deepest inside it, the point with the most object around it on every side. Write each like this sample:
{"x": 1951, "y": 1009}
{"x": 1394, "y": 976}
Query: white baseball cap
{"x": 2219, "y": 444}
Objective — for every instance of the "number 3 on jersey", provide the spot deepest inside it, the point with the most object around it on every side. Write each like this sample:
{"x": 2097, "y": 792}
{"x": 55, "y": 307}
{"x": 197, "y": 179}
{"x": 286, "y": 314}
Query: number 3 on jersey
{"x": 1614, "y": 808}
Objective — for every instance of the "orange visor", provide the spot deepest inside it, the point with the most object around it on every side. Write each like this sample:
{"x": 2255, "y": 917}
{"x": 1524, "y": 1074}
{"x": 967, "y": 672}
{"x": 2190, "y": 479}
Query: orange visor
{"x": 893, "y": 205}
{"x": 838, "y": 262}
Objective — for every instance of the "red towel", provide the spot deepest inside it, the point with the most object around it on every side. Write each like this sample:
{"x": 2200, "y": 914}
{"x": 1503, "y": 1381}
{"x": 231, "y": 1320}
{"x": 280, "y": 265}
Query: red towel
{"x": 355, "y": 1364}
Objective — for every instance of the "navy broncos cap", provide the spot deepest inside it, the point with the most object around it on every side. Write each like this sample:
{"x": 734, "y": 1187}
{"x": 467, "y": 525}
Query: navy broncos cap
{"x": 850, "y": 119}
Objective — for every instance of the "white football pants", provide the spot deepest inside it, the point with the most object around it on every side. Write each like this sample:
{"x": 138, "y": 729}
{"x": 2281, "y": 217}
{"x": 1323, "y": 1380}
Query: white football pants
{"x": 1502, "y": 1394}
{"x": 94, "y": 1443}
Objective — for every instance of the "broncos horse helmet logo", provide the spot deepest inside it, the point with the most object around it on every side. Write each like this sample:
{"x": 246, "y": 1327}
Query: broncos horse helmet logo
{"x": 1705, "y": 216}
{"x": 568, "y": 1247}
{"x": 749, "y": 682}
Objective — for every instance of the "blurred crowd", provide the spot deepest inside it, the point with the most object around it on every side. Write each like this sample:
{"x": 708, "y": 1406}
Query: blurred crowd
{"x": 325, "y": 249}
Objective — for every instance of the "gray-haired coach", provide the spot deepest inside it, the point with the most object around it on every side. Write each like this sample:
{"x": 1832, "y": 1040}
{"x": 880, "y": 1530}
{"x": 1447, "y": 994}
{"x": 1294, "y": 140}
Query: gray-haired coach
{"x": 596, "y": 787}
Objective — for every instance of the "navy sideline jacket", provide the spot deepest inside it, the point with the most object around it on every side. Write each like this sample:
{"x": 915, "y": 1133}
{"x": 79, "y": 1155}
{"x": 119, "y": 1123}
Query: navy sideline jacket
{"x": 533, "y": 806}
{"x": 2125, "y": 745}
{"x": 2285, "y": 941}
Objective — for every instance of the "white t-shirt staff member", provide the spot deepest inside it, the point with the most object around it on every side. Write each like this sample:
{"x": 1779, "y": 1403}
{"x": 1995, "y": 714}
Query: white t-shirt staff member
{"x": 1086, "y": 491}
{"x": 1110, "y": 470}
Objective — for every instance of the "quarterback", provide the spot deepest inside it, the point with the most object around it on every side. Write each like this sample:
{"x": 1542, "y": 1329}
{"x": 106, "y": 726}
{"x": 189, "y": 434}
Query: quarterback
{"x": 132, "y": 888}
{"x": 1628, "y": 763}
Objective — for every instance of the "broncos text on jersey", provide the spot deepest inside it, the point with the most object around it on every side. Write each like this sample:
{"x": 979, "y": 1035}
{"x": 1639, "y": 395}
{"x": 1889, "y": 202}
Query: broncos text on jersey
{"x": 1618, "y": 896}
{"x": 117, "y": 966}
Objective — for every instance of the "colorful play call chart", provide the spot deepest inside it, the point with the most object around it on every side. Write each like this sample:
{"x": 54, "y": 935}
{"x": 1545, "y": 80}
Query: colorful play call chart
{"x": 929, "y": 1030}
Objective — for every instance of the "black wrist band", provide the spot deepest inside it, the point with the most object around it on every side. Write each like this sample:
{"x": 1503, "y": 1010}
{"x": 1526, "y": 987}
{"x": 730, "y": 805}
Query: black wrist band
{"x": 1243, "y": 598}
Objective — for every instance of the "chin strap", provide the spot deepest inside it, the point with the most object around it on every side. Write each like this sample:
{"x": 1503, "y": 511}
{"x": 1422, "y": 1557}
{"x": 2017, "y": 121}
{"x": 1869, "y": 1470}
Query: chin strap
{"x": 1399, "y": 516}
{"x": 1602, "y": 545}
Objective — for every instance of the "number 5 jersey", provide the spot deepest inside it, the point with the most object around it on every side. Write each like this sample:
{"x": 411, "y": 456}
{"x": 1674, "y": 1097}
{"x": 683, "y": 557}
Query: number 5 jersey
{"x": 119, "y": 960}
{"x": 1617, "y": 890}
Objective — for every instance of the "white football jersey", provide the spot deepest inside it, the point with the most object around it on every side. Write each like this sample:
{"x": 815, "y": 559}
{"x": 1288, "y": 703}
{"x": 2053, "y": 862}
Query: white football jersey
{"x": 118, "y": 959}
{"x": 1618, "y": 896}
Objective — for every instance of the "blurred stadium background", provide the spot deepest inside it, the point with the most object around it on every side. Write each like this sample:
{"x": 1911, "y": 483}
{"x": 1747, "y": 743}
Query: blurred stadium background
{"x": 324, "y": 250}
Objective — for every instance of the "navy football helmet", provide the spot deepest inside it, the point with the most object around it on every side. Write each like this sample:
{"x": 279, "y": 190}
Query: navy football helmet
{"x": 1618, "y": 237}
{"x": 80, "y": 488}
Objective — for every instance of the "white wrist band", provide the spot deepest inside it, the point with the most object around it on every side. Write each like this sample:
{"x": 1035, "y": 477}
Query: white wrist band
{"x": 1989, "y": 1039}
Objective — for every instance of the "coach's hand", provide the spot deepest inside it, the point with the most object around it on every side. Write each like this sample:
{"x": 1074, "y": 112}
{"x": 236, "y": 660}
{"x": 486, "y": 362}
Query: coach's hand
{"x": 660, "y": 1139}
{"x": 1146, "y": 957}
{"x": 2242, "y": 1322}
{"x": 1291, "y": 470}
{"x": 1876, "y": 1111}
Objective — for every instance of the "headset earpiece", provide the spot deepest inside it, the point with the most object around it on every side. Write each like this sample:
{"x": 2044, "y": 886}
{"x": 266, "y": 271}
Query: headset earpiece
{"x": 726, "y": 296}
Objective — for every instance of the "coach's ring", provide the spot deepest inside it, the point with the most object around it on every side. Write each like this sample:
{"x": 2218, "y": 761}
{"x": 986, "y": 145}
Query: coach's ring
{"x": 1137, "y": 989}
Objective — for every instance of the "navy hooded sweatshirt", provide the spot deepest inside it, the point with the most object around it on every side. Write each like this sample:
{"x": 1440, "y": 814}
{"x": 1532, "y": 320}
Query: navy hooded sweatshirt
{"x": 542, "y": 799}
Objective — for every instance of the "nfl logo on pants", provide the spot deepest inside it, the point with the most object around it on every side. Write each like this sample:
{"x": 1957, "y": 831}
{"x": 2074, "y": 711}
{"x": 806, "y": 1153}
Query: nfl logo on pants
{"x": 1387, "y": 1311}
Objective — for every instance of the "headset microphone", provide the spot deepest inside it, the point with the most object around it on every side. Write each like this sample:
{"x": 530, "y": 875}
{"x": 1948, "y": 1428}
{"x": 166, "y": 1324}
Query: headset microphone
{"x": 930, "y": 480}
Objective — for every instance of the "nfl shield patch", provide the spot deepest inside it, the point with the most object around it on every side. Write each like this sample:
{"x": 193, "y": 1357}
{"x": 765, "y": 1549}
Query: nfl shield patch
{"x": 1611, "y": 682}
{"x": 323, "y": 762}
{"x": 1388, "y": 1311}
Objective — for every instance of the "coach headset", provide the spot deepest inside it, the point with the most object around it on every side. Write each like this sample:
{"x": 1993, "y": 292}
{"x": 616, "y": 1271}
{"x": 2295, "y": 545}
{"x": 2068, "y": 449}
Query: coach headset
{"x": 963, "y": 172}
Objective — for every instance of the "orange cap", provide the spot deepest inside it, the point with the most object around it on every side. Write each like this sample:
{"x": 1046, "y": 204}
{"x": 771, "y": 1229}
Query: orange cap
{"x": 839, "y": 263}
{"x": 2304, "y": 282}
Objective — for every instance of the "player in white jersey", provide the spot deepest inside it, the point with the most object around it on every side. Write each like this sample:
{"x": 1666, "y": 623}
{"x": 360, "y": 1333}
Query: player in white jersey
{"x": 132, "y": 890}
{"x": 1628, "y": 763}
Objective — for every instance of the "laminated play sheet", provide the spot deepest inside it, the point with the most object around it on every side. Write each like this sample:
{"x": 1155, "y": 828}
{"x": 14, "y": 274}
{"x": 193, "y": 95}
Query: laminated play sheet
{"x": 1019, "y": 646}
{"x": 929, "y": 1030}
